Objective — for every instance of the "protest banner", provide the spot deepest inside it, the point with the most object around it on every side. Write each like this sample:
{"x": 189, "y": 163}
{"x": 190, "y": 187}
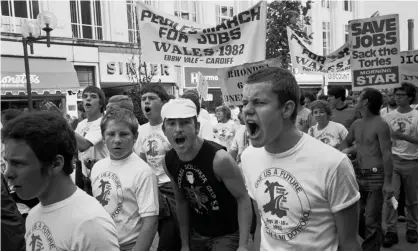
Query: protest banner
{"x": 233, "y": 79}
{"x": 375, "y": 52}
{"x": 306, "y": 61}
{"x": 167, "y": 39}
{"x": 202, "y": 86}
{"x": 409, "y": 67}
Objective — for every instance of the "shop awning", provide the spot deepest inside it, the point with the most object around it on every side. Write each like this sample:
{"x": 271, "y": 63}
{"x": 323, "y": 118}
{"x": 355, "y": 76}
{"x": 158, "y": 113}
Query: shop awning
{"x": 47, "y": 76}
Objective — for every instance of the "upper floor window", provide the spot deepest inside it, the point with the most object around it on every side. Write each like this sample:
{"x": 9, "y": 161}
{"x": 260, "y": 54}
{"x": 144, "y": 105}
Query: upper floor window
{"x": 223, "y": 13}
{"x": 346, "y": 32}
{"x": 325, "y": 3}
{"x": 185, "y": 9}
{"x": 326, "y": 38}
{"x": 23, "y": 9}
{"x": 348, "y": 5}
{"x": 86, "y": 19}
{"x": 133, "y": 31}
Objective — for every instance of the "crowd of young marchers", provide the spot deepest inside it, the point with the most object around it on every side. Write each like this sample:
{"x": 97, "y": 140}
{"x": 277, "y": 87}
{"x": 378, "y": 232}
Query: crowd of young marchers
{"x": 284, "y": 171}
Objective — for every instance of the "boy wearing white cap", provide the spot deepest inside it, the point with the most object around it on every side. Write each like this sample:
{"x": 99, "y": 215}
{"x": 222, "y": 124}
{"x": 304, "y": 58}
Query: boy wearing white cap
{"x": 213, "y": 208}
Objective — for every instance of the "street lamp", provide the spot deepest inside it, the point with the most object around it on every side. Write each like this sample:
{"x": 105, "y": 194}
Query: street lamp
{"x": 31, "y": 32}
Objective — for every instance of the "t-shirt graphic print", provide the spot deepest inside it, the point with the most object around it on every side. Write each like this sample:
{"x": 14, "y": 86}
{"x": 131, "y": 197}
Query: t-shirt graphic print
{"x": 284, "y": 206}
{"x": 40, "y": 238}
{"x": 200, "y": 194}
{"x": 110, "y": 194}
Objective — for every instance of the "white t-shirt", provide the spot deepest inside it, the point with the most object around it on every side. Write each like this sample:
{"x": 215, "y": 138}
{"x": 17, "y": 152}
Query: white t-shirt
{"x": 206, "y": 129}
{"x": 154, "y": 144}
{"x": 405, "y": 123}
{"x": 241, "y": 140}
{"x": 128, "y": 190}
{"x": 225, "y": 132}
{"x": 91, "y": 131}
{"x": 385, "y": 110}
{"x": 78, "y": 223}
{"x": 297, "y": 193}
{"x": 203, "y": 114}
{"x": 304, "y": 119}
{"x": 333, "y": 134}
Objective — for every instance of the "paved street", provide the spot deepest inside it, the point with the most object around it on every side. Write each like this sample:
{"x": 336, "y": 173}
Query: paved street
{"x": 403, "y": 245}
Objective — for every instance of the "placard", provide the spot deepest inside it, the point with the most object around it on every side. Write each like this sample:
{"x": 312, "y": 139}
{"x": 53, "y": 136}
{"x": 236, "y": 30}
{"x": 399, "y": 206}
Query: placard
{"x": 375, "y": 52}
{"x": 233, "y": 79}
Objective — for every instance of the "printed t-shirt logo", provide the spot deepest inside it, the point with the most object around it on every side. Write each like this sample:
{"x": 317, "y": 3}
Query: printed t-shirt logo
{"x": 404, "y": 126}
{"x": 284, "y": 206}
{"x": 201, "y": 196}
{"x": 109, "y": 189}
{"x": 40, "y": 238}
{"x": 155, "y": 151}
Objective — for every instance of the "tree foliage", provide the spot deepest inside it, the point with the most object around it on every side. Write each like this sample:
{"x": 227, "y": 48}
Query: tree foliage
{"x": 281, "y": 14}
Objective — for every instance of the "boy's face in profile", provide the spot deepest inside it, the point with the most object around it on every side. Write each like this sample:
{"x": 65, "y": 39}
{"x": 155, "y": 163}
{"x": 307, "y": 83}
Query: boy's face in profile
{"x": 23, "y": 170}
{"x": 262, "y": 114}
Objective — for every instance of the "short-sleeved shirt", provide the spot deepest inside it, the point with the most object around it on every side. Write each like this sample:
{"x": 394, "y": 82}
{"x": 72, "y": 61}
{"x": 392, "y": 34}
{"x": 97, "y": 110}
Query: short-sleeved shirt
{"x": 345, "y": 116}
{"x": 91, "y": 131}
{"x": 154, "y": 144}
{"x": 128, "y": 190}
{"x": 405, "y": 123}
{"x": 78, "y": 223}
{"x": 304, "y": 120}
{"x": 298, "y": 192}
{"x": 333, "y": 134}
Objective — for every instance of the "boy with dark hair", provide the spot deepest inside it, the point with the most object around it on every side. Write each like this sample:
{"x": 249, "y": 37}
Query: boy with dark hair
{"x": 342, "y": 113}
{"x": 124, "y": 184}
{"x": 39, "y": 152}
{"x": 9, "y": 114}
{"x": 152, "y": 146}
{"x": 296, "y": 210}
{"x": 372, "y": 136}
{"x": 88, "y": 135}
{"x": 213, "y": 208}
{"x": 309, "y": 98}
{"x": 403, "y": 123}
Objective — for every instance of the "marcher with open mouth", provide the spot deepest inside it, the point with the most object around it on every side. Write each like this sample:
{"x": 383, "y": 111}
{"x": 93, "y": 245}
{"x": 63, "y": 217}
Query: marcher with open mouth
{"x": 152, "y": 146}
{"x": 208, "y": 185}
{"x": 88, "y": 134}
{"x": 40, "y": 147}
{"x": 130, "y": 193}
{"x": 303, "y": 189}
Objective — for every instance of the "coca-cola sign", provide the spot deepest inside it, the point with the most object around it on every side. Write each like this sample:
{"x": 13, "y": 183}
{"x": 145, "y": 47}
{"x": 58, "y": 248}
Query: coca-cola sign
{"x": 17, "y": 81}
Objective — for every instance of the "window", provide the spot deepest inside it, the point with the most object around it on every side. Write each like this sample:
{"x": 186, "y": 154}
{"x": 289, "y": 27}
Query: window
{"x": 85, "y": 75}
{"x": 133, "y": 30}
{"x": 185, "y": 9}
{"x": 325, "y": 3}
{"x": 23, "y": 9}
{"x": 348, "y": 5}
{"x": 346, "y": 32}
{"x": 223, "y": 13}
{"x": 86, "y": 19}
{"x": 326, "y": 38}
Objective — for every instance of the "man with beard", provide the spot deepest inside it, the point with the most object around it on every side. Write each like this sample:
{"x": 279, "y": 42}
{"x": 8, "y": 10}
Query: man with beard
{"x": 391, "y": 104}
{"x": 373, "y": 143}
{"x": 305, "y": 191}
{"x": 213, "y": 207}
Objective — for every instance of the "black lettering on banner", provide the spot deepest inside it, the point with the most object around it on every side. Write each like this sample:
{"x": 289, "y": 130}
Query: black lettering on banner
{"x": 409, "y": 59}
{"x": 240, "y": 85}
{"x": 374, "y": 33}
{"x": 219, "y": 38}
{"x": 233, "y": 98}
